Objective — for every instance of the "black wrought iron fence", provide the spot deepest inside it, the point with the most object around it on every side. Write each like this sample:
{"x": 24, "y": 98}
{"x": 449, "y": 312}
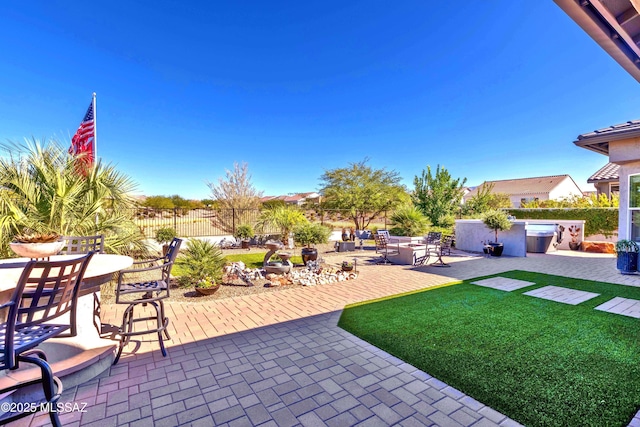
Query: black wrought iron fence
{"x": 221, "y": 222}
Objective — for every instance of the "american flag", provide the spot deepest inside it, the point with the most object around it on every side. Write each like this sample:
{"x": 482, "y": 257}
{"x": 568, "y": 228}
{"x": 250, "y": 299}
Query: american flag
{"x": 84, "y": 139}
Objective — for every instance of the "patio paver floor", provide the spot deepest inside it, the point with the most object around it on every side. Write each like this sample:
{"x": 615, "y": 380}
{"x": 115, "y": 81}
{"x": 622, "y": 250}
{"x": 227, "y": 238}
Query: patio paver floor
{"x": 563, "y": 295}
{"x": 279, "y": 359}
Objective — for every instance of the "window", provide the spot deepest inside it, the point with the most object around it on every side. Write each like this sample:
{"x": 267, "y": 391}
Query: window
{"x": 634, "y": 207}
{"x": 614, "y": 189}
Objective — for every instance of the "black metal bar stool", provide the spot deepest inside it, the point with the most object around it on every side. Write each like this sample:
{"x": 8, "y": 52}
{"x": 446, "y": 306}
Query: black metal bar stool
{"x": 144, "y": 286}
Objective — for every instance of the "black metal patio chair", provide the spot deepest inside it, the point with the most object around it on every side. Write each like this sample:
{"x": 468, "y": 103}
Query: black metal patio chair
{"x": 46, "y": 292}
{"x": 144, "y": 286}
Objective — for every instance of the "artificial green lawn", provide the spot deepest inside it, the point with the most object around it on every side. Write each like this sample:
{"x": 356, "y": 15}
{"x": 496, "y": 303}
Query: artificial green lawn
{"x": 255, "y": 260}
{"x": 540, "y": 362}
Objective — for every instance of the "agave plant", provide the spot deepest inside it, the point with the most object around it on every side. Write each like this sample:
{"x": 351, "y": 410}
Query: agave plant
{"x": 42, "y": 192}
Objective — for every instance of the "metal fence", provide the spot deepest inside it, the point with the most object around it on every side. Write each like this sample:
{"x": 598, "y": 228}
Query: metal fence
{"x": 221, "y": 222}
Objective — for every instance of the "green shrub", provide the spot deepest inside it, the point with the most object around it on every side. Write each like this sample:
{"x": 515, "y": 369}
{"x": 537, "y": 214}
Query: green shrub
{"x": 165, "y": 235}
{"x": 200, "y": 260}
{"x": 244, "y": 231}
{"x": 408, "y": 220}
{"x": 311, "y": 233}
{"x": 597, "y": 220}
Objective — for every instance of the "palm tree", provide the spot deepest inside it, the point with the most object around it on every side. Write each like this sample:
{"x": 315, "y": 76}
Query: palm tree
{"x": 41, "y": 191}
{"x": 284, "y": 218}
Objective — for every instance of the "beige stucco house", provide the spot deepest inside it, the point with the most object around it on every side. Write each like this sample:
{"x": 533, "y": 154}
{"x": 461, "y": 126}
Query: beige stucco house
{"x": 523, "y": 190}
{"x": 606, "y": 180}
{"x": 615, "y": 26}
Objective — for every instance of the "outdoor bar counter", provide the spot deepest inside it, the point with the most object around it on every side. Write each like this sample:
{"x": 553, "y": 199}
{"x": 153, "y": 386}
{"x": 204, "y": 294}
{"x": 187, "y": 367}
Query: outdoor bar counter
{"x": 76, "y": 359}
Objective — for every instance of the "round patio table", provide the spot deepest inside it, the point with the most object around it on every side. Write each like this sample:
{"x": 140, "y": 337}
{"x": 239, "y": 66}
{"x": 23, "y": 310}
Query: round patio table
{"x": 99, "y": 271}
{"x": 80, "y": 358}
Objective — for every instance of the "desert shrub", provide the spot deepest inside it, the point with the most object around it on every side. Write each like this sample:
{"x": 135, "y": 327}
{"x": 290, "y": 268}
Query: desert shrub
{"x": 311, "y": 233}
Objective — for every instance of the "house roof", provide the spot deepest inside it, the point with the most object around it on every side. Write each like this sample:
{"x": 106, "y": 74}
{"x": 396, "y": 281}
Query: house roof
{"x": 607, "y": 173}
{"x": 599, "y": 139}
{"x": 613, "y": 24}
{"x": 537, "y": 185}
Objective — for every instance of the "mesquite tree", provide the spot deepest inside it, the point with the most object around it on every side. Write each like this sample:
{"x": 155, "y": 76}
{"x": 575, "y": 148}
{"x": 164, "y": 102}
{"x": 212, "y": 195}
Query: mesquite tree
{"x": 362, "y": 192}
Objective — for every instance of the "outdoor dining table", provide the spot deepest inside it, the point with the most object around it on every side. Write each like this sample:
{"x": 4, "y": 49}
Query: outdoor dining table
{"x": 80, "y": 358}
{"x": 99, "y": 271}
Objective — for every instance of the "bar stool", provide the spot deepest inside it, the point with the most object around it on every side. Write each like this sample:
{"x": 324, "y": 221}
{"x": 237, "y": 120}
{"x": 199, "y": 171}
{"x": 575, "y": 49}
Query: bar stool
{"x": 146, "y": 286}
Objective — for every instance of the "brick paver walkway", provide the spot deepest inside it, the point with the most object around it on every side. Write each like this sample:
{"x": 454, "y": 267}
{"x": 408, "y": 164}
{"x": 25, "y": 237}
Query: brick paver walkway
{"x": 278, "y": 359}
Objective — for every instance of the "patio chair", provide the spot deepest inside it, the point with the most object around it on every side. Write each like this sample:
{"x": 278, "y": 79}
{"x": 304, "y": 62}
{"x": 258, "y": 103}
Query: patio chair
{"x": 45, "y": 291}
{"x": 386, "y": 248}
{"x": 434, "y": 237}
{"x": 144, "y": 286}
{"x": 446, "y": 244}
{"x": 82, "y": 244}
{"x": 443, "y": 247}
{"x": 377, "y": 238}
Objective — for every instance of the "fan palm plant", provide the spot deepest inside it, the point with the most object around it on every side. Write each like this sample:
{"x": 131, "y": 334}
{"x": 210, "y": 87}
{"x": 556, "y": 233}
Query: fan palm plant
{"x": 41, "y": 191}
{"x": 284, "y": 218}
{"x": 408, "y": 220}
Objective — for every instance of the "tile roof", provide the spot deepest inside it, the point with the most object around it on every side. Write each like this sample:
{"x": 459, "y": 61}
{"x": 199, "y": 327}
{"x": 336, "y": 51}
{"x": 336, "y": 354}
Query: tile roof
{"x": 599, "y": 139}
{"x": 541, "y": 184}
{"x": 608, "y": 172}
{"x": 631, "y": 125}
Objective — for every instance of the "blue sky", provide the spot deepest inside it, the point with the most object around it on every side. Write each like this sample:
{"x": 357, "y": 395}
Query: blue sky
{"x": 496, "y": 89}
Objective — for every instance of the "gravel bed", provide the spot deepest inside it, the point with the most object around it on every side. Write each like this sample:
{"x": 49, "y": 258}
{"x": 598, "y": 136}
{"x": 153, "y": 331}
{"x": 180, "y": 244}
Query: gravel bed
{"x": 236, "y": 288}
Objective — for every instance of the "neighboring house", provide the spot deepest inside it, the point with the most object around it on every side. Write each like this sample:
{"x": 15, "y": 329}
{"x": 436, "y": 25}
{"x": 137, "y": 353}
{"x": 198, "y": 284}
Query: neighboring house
{"x": 523, "y": 190}
{"x": 295, "y": 199}
{"x": 606, "y": 180}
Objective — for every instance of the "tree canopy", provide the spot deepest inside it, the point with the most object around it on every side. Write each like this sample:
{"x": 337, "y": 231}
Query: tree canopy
{"x": 485, "y": 199}
{"x": 235, "y": 196}
{"x": 235, "y": 190}
{"x": 439, "y": 196}
{"x": 362, "y": 192}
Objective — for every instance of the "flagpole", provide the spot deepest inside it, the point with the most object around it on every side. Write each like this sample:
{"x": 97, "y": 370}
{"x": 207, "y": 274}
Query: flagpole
{"x": 95, "y": 129}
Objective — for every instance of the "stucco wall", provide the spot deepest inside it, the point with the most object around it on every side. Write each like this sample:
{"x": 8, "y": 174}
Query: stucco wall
{"x": 565, "y": 189}
{"x": 625, "y": 150}
{"x": 471, "y": 235}
{"x": 516, "y": 199}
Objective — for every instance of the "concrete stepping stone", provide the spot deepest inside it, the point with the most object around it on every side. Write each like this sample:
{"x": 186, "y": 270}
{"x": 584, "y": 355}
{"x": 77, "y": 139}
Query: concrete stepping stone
{"x": 503, "y": 283}
{"x": 624, "y": 306}
{"x": 560, "y": 294}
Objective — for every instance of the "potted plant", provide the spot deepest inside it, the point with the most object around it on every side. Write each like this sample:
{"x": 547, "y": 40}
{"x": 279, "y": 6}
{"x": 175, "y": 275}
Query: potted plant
{"x": 244, "y": 232}
{"x": 164, "y": 236}
{"x": 201, "y": 264}
{"x": 310, "y": 233}
{"x": 627, "y": 256}
{"x": 574, "y": 232}
{"x": 497, "y": 221}
{"x": 207, "y": 286}
{"x": 36, "y": 245}
{"x": 347, "y": 266}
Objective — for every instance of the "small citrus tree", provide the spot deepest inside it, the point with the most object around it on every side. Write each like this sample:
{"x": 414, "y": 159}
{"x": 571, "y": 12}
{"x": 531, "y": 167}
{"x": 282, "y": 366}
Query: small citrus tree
{"x": 497, "y": 221}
